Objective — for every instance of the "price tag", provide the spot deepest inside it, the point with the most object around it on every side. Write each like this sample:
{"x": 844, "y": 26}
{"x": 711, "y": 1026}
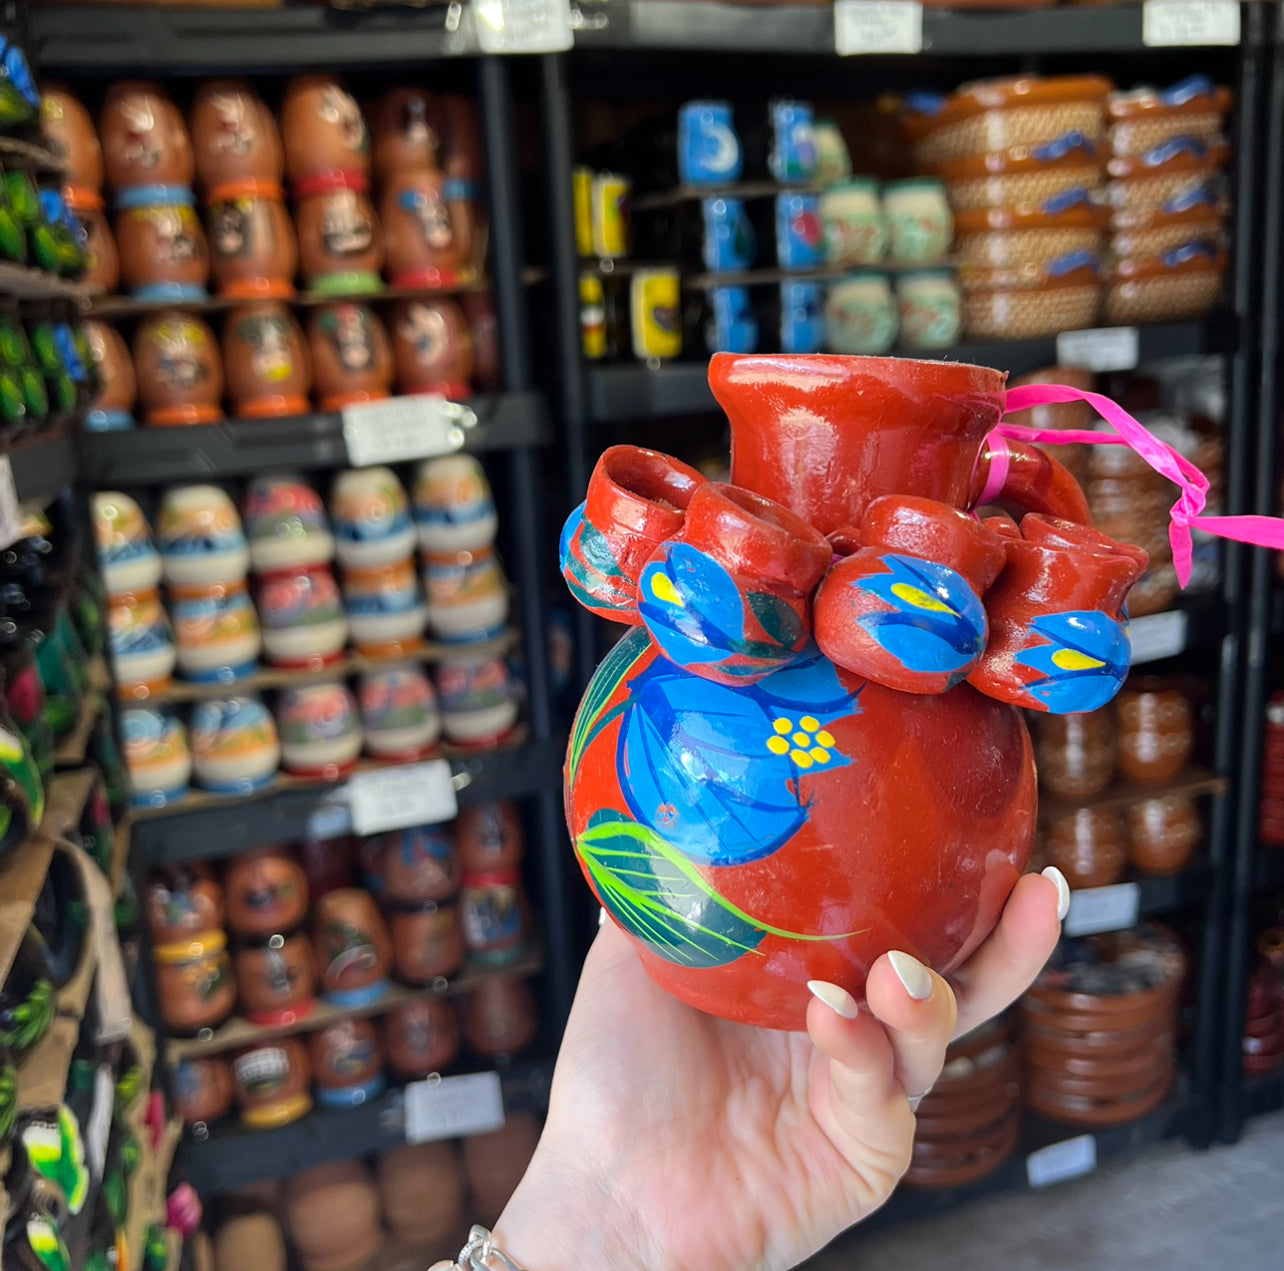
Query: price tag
{"x": 523, "y": 26}
{"x": 1106, "y": 349}
{"x": 450, "y": 1107}
{"x": 877, "y": 26}
{"x": 1157, "y": 635}
{"x": 10, "y": 512}
{"x": 400, "y": 428}
{"x": 98, "y": 1127}
{"x": 1059, "y": 1161}
{"x": 395, "y": 798}
{"x": 1103, "y": 909}
{"x": 1186, "y": 23}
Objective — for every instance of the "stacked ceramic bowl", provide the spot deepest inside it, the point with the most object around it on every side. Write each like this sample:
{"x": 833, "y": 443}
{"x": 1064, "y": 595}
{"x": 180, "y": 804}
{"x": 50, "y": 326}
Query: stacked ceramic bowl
{"x": 1270, "y": 827}
{"x": 1168, "y": 206}
{"x": 1099, "y": 1027}
{"x": 1022, "y": 160}
{"x": 970, "y": 1122}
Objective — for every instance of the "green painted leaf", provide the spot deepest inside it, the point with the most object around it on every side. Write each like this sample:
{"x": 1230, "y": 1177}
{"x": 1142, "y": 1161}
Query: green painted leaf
{"x": 777, "y": 619}
{"x": 613, "y": 668}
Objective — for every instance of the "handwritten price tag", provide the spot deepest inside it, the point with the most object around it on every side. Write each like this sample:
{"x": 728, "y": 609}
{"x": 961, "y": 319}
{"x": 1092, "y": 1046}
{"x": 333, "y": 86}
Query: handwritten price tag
{"x": 449, "y": 1107}
{"x": 523, "y": 26}
{"x": 1057, "y": 1162}
{"x": 877, "y": 26}
{"x": 1105, "y": 349}
{"x": 400, "y": 428}
{"x": 1189, "y": 23}
{"x": 1157, "y": 635}
{"x": 394, "y": 798}
{"x": 1103, "y": 909}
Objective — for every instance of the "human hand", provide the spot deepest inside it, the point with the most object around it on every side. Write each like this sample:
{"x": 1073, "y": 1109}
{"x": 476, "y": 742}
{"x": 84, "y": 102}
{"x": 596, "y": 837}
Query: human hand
{"x": 676, "y": 1141}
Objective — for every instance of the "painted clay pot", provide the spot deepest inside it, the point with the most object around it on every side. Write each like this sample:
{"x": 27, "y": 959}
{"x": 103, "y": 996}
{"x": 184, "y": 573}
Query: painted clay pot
{"x": 276, "y": 979}
{"x": 427, "y": 942}
{"x": 421, "y": 1188}
{"x": 103, "y": 272}
{"x": 327, "y": 863}
{"x": 467, "y": 595}
{"x": 399, "y": 713}
{"x": 200, "y": 537}
{"x": 351, "y": 356}
{"x": 496, "y": 1161}
{"x": 113, "y": 406}
{"x": 385, "y": 609}
{"x": 1163, "y": 833}
{"x": 141, "y": 644}
{"x": 432, "y": 348}
{"x": 478, "y": 701}
{"x": 323, "y": 129}
{"x": 494, "y": 915}
{"x": 320, "y": 730}
{"x": 499, "y": 1017}
{"x": 454, "y": 507}
{"x": 182, "y": 901}
{"x": 425, "y": 245}
{"x": 304, "y": 625}
{"x": 69, "y": 132}
{"x": 352, "y": 947}
{"x": 407, "y": 126}
{"x": 347, "y": 1063}
{"x": 180, "y": 373}
{"x": 267, "y": 892}
{"x": 194, "y": 983}
{"x": 253, "y": 251}
{"x": 272, "y": 1081}
{"x": 371, "y": 518}
{"x": 266, "y": 361}
{"x": 286, "y": 525}
{"x": 234, "y": 135}
{"x": 332, "y": 1214}
{"x": 127, "y": 558}
{"x": 1156, "y": 733}
{"x": 340, "y": 240}
{"x": 423, "y": 1036}
{"x": 156, "y": 756}
{"x": 234, "y": 745}
{"x": 144, "y": 139}
{"x": 1089, "y": 846}
{"x": 203, "y": 1089}
{"x": 217, "y": 631}
{"x": 246, "y": 1239}
{"x": 1075, "y": 753}
{"x": 479, "y": 309}
{"x": 409, "y": 867}
{"x": 489, "y": 837}
{"x": 161, "y": 245}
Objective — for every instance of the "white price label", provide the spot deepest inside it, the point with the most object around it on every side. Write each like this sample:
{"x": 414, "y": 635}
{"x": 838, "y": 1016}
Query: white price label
{"x": 448, "y": 1107}
{"x": 395, "y": 798}
{"x": 1059, "y": 1161}
{"x": 877, "y": 26}
{"x": 1157, "y": 635}
{"x": 1105, "y": 349}
{"x": 10, "y": 512}
{"x": 523, "y": 26}
{"x": 1103, "y": 909}
{"x": 400, "y": 428}
{"x": 1188, "y": 23}
{"x": 98, "y": 1126}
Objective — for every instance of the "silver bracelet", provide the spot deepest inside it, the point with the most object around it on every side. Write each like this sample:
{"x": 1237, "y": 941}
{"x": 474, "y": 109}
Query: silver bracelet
{"x": 479, "y": 1254}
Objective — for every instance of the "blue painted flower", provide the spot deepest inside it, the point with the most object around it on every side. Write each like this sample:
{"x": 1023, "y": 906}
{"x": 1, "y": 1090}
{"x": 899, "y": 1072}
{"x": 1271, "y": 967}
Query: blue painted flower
{"x": 1083, "y": 662}
{"x": 937, "y": 623}
{"x": 715, "y": 770}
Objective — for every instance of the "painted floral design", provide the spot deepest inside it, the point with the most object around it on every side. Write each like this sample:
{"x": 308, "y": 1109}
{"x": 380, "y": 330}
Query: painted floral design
{"x": 1083, "y": 660}
{"x": 595, "y": 577}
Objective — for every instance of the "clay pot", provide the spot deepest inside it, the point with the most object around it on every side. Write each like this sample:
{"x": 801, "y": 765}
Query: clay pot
{"x": 425, "y": 245}
{"x": 385, "y": 609}
{"x": 180, "y": 373}
{"x": 432, "y": 348}
{"x": 340, "y": 240}
{"x": 272, "y": 1081}
{"x": 1075, "y": 753}
{"x": 194, "y": 983}
{"x": 276, "y": 979}
{"x": 421, "y": 1186}
{"x": 200, "y": 537}
{"x": 161, "y": 245}
{"x": 286, "y": 525}
{"x": 413, "y": 866}
{"x": 493, "y": 912}
{"x": 127, "y": 558}
{"x": 203, "y": 1089}
{"x": 423, "y": 1036}
{"x": 253, "y": 251}
{"x": 234, "y": 136}
{"x": 427, "y": 942}
{"x": 157, "y": 757}
{"x": 489, "y": 837}
{"x": 249, "y": 1240}
{"x": 347, "y": 1063}
{"x": 351, "y": 356}
{"x": 1163, "y": 833}
{"x": 467, "y": 594}
{"x": 1089, "y": 846}
{"x": 303, "y": 620}
{"x": 399, "y": 715}
{"x": 182, "y": 902}
{"x": 103, "y": 271}
{"x": 478, "y": 701}
{"x": 267, "y": 892}
{"x": 266, "y": 361}
{"x": 499, "y": 1017}
{"x": 332, "y": 1214}
{"x": 217, "y": 632}
{"x": 371, "y": 518}
{"x": 407, "y": 126}
{"x": 454, "y": 506}
{"x": 140, "y": 644}
{"x": 323, "y": 129}
{"x": 144, "y": 139}
{"x": 113, "y": 407}
{"x": 352, "y": 947}
{"x": 320, "y": 730}
{"x": 496, "y": 1161}
{"x": 1156, "y": 732}
{"x": 70, "y": 134}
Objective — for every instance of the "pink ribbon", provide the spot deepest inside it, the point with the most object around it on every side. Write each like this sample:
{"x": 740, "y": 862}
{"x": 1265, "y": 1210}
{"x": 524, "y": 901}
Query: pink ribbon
{"x": 1187, "y": 513}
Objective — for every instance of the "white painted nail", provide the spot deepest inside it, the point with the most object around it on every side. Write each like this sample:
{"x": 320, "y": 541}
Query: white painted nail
{"x": 912, "y": 974}
{"x": 916, "y": 1099}
{"x": 1058, "y": 880}
{"x": 838, "y": 999}
{"x": 601, "y": 917}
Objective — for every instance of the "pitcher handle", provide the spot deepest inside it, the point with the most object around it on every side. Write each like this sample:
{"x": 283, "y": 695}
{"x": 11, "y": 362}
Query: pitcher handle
{"x": 1014, "y": 473}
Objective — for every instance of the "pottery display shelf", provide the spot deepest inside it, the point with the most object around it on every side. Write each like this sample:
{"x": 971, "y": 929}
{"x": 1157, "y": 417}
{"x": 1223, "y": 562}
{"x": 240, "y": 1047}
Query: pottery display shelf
{"x": 1191, "y": 782}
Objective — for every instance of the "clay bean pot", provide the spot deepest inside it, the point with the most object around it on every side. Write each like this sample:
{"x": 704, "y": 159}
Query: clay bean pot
{"x": 340, "y": 239}
{"x": 421, "y": 1186}
{"x": 267, "y": 892}
{"x": 272, "y": 1081}
{"x": 183, "y": 901}
{"x": 1075, "y": 754}
{"x": 489, "y": 837}
{"x": 409, "y": 867}
{"x": 144, "y": 139}
{"x": 266, "y": 361}
{"x": 1089, "y": 846}
{"x": 500, "y": 1017}
{"x": 352, "y": 947}
{"x": 407, "y": 126}
{"x": 427, "y": 942}
{"x": 180, "y": 373}
{"x": 194, "y": 983}
{"x": 249, "y": 1240}
{"x": 161, "y": 245}
{"x": 103, "y": 271}
{"x": 423, "y": 1036}
{"x": 431, "y": 347}
{"x": 323, "y": 129}
{"x": 1156, "y": 733}
{"x": 496, "y": 1161}
{"x": 70, "y": 134}
{"x": 276, "y": 979}
{"x": 425, "y": 245}
{"x": 253, "y": 252}
{"x": 1163, "y": 833}
{"x": 351, "y": 356}
{"x": 234, "y": 136}
{"x": 332, "y": 1214}
{"x": 113, "y": 407}
{"x": 203, "y": 1089}
{"x": 347, "y": 1063}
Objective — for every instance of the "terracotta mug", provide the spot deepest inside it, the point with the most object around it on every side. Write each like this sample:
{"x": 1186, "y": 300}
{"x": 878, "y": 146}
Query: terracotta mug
{"x": 352, "y": 947}
{"x": 266, "y": 361}
{"x": 1156, "y": 732}
{"x": 347, "y": 1063}
{"x": 69, "y": 132}
{"x": 432, "y": 348}
{"x": 424, "y": 245}
{"x": 203, "y": 1089}
{"x": 253, "y": 251}
{"x": 489, "y": 837}
{"x": 427, "y": 942}
{"x": 144, "y": 139}
{"x": 161, "y": 245}
{"x": 500, "y": 1017}
{"x": 182, "y": 901}
{"x": 103, "y": 273}
{"x": 272, "y": 1081}
{"x": 267, "y": 892}
{"x": 234, "y": 135}
{"x": 276, "y": 979}
{"x": 113, "y": 407}
{"x": 180, "y": 373}
{"x": 351, "y": 356}
{"x": 323, "y": 130}
{"x": 340, "y": 240}
{"x": 423, "y": 1036}
{"x": 407, "y": 126}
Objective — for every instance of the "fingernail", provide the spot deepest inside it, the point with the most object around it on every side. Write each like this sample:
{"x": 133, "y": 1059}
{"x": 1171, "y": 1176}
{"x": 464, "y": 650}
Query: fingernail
{"x": 912, "y": 974}
{"x": 1058, "y": 880}
{"x": 916, "y": 1099}
{"x": 601, "y": 917}
{"x": 838, "y": 999}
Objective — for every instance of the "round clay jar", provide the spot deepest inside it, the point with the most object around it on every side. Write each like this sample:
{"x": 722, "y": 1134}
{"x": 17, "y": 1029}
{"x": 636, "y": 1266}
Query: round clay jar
{"x": 407, "y": 130}
{"x": 409, "y": 867}
{"x": 1089, "y": 846}
{"x": 1156, "y": 732}
{"x": 194, "y": 983}
{"x": 347, "y": 1063}
{"x": 267, "y": 892}
{"x": 103, "y": 272}
{"x": 422, "y": 242}
{"x": 351, "y": 356}
{"x": 423, "y": 1036}
{"x": 493, "y": 914}
{"x": 499, "y": 1016}
{"x": 1075, "y": 754}
{"x": 352, "y": 947}
{"x": 332, "y": 1215}
{"x": 1163, "y": 833}
{"x": 323, "y": 129}
{"x": 203, "y": 1089}
{"x": 431, "y": 347}
{"x": 113, "y": 408}
{"x": 161, "y": 245}
{"x": 182, "y": 902}
{"x": 340, "y": 240}
{"x": 70, "y": 134}
{"x": 489, "y": 837}
{"x": 250, "y": 1239}
{"x": 144, "y": 139}
{"x": 421, "y": 1186}
{"x": 495, "y": 1162}
{"x": 253, "y": 252}
{"x": 272, "y": 1081}
{"x": 427, "y": 942}
{"x": 180, "y": 373}
{"x": 276, "y": 979}
{"x": 266, "y": 361}
{"x": 234, "y": 136}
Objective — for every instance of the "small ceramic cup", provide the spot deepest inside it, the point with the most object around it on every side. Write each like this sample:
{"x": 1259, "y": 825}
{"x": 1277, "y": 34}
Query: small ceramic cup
{"x": 385, "y": 609}
{"x": 286, "y": 524}
{"x": 127, "y": 558}
{"x": 304, "y": 624}
{"x": 454, "y": 507}
{"x": 371, "y": 518}
{"x": 200, "y": 537}
{"x": 141, "y": 643}
{"x": 156, "y": 755}
{"x": 478, "y": 700}
{"x": 234, "y": 745}
{"x": 217, "y": 630}
{"x": 860, "y": 315}
{"x": 320, "y": 731}
{"x": 467, "y": 595}
{"x": 399, "y": 712}
{"x": 854, "y": 224}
